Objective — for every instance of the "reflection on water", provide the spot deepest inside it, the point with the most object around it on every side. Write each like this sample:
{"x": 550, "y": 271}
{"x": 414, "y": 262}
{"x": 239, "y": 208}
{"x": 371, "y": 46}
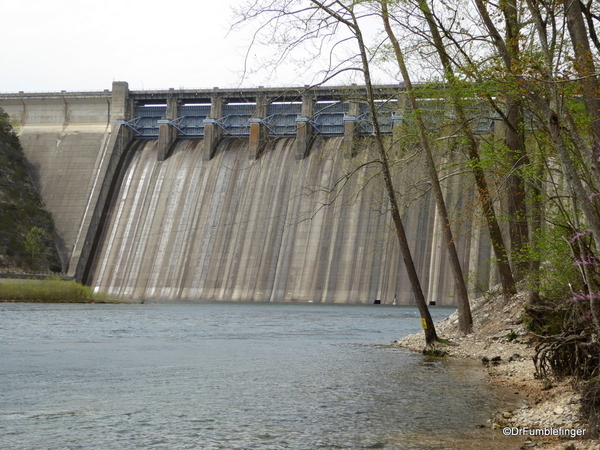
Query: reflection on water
{"x": 231, "y": 376}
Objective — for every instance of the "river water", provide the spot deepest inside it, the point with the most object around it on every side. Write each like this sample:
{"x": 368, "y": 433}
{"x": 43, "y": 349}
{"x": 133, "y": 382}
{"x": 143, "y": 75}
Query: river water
{"x": 232, "y": 376}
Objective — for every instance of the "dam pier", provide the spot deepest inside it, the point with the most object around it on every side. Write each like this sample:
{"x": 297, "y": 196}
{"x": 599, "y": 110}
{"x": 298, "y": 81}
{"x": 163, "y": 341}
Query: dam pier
{"x": 234, "y": 194}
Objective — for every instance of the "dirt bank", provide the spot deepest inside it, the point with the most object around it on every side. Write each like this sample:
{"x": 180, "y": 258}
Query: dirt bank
{"x": 500, "y": 335}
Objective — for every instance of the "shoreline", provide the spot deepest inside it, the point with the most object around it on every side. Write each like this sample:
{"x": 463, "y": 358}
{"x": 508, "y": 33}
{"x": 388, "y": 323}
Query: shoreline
{"x": 500, "y": 336}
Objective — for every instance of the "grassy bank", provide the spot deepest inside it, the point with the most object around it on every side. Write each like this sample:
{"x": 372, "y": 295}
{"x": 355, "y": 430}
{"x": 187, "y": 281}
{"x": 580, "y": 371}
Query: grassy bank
{"x": 52, "y": 291}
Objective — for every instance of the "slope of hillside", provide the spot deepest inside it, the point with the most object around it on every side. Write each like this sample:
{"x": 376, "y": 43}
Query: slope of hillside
{"x": 26, "y": 229}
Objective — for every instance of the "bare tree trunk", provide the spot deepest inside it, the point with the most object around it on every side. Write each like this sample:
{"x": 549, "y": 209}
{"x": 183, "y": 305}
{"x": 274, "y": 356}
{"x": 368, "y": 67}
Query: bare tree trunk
{"x": 573, "y": 177}
{"x": 515, "y": 141}
{"x": 556, "y": 129}
{"x": 517, "y": 206}
{"x": 465, "y": 320}
{"x": 508, "y": 49}
{"x": 537, "y": 214}
{"x": 430, "y": 334}
{"x": 506, "y": 277}
{"x": 586, "y": 70}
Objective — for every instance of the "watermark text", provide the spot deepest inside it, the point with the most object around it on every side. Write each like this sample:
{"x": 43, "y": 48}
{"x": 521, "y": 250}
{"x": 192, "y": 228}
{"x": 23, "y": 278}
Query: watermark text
{"x": 546, "y": 431}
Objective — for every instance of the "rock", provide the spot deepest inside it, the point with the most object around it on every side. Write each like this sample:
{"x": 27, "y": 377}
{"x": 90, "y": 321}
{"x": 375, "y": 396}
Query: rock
{"x": 559, "y": 410}
{"x": 496, "y": 358}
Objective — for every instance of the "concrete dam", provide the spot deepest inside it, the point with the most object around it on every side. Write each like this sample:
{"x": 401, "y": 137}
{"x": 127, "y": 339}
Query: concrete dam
{"x": 245, "y": 195}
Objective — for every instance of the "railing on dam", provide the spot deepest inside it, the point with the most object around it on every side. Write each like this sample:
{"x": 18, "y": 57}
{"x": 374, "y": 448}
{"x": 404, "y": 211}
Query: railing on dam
{"x": 280, "y": 120}
{"x": 280, "y": 111}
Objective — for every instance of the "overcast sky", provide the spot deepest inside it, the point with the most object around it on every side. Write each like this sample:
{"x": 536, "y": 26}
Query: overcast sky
{"x": 81, "y": 45}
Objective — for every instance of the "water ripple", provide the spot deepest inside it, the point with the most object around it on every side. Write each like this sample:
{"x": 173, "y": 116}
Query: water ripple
{"x": 229, "y": 376}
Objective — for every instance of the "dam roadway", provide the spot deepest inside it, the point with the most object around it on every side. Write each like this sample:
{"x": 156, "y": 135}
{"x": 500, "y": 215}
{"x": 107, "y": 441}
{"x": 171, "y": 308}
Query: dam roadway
{"x": 229, "y": 194}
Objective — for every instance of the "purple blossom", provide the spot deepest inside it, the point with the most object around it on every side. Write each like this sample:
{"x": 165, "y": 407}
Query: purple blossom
{"x": 590, "y": 261}
{"x": 583, "y": 297}
{"x": 578, "y": 235}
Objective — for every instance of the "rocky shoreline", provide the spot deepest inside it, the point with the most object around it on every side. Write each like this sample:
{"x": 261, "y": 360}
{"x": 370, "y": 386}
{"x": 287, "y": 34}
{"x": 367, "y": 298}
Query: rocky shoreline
{"x": 506, "y": 349}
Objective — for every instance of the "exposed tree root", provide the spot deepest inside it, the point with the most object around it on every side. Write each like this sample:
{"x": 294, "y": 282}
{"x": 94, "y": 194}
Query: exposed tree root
{"x": 576, "y": 355}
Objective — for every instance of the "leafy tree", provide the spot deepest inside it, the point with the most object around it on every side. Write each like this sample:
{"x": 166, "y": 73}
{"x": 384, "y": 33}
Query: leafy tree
{"x": 464, "y": 310}
{"x": 34, "y": 242}
{"x": 459, "y": 106}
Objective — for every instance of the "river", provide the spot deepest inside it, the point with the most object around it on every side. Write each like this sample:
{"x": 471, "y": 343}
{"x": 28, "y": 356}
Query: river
{"x": 232, "y": 376}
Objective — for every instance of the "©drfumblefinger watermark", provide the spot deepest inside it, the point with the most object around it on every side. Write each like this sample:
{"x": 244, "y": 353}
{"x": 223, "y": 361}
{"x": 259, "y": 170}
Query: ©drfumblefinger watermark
{"x": 547, "y": 431}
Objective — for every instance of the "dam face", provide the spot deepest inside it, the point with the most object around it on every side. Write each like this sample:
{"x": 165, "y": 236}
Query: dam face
{"x": 233, "y": 228}
{"x": 243, "y": 215}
